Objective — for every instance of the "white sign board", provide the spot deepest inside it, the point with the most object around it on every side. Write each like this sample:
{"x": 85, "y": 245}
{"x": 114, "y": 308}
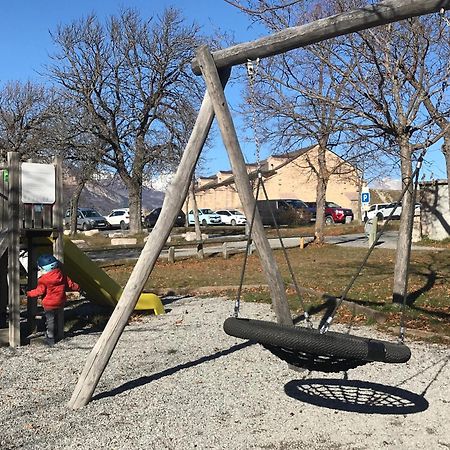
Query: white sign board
{"x": 38, "y": 183}
{"x": 365, "y": 199}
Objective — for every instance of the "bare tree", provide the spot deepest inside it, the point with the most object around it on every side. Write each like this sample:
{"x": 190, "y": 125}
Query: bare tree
{"x": 434, "y": 94}
{"x": 132, "y": 77}
{"x": 26, "y": 113}
{"x": 297, "y": 98}
{"x": 391, "y": 108}
{"x": 388, "y": 109}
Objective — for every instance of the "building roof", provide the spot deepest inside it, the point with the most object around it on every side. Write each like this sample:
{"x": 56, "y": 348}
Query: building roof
{"x": 264, "y": 164}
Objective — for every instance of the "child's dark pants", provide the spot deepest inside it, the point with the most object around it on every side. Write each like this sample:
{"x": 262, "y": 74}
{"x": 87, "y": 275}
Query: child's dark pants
{"x": 54, "y": 319}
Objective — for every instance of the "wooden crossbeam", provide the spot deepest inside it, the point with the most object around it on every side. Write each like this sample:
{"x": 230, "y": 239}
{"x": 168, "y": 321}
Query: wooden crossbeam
{"x": 323, "y": 29}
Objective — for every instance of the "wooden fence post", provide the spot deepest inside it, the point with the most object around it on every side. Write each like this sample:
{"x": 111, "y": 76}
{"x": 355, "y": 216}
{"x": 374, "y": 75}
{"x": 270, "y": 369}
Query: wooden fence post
{"x": 225, "y": 250}
{"x": 171, "y": 254}
{"x": 200, "y": 253}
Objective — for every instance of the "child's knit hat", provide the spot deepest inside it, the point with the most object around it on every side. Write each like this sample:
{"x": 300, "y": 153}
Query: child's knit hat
{"x": 47, "y": 262}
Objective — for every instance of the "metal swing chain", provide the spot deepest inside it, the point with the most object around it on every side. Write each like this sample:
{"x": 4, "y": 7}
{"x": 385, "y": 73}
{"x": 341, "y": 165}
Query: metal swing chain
{"x": 237, "y": 303}
{"x": 325, "y": 327}
{"x": 444, "y": 18}
{"x": 252, "y": 70}
{"x": 252, "y": 67}
{"x": 306, "y": 315}
{"x": 415, "y": 177}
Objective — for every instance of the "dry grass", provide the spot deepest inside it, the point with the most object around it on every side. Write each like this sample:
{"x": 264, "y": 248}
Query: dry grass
{"x": 325, "y": 269}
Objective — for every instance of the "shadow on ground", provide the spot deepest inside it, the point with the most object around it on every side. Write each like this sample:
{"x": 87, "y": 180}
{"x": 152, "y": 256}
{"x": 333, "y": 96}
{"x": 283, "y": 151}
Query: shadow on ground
{"x": 356, "y": 396}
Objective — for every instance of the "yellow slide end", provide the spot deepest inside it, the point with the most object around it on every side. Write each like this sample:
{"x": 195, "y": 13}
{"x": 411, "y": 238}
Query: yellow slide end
{"x": 148, "y": 301}
{"x": 98, "y": 285}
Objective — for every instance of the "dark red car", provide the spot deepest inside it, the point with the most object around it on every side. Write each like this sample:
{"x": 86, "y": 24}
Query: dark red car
{"x": 333, "y": 212}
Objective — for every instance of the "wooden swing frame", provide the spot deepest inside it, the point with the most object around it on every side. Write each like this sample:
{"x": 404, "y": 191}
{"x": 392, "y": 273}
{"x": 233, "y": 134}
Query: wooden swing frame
{"x": 215, "y": 69}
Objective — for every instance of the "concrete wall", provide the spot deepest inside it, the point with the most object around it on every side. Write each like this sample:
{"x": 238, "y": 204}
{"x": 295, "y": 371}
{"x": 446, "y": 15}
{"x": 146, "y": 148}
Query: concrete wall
{"x": 435, "y": 213}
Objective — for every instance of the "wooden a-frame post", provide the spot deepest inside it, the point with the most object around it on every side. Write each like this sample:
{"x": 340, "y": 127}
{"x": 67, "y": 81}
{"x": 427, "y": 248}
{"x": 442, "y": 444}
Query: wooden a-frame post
{"x": 173, "y": 202}
{"x": 13, "y": 248}
{"x": 243, "y": 187}
{"x": 291, "y": 38}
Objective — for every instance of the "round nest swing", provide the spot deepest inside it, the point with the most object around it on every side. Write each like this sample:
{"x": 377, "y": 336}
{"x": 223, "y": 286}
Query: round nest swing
{"x": 309, "y": 349}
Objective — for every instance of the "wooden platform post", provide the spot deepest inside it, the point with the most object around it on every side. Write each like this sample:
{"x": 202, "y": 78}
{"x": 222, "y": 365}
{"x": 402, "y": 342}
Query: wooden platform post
{"x": 173, "y": 201}
{"x": 13, "y": 249}
{"x": 32, "y": 282}
{"x": 243, "y": 186}
{"x": 57, "y": 212}
{"x": 3, "y": 289}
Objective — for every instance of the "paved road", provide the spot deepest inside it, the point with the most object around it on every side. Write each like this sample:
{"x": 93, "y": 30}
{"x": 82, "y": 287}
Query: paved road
{"x": 387, "y": 241}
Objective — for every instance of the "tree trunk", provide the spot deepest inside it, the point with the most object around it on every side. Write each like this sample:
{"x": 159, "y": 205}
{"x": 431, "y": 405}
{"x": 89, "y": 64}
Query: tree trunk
{"x": 74, "y": 206}
{"x": 446, "y": 152}
{"x": 135, "y": 204}
{"x": 321, "y": 191}
{"x": 406, "y": 219}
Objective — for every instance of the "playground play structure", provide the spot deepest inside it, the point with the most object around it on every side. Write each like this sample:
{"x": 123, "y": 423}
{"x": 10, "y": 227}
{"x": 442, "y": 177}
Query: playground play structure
{"x": 32, "y": 224}
{"x": 215, "y": 69}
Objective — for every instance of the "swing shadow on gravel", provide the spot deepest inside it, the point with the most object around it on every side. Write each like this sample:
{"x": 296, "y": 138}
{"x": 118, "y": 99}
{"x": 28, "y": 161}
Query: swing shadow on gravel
{"x": 170, "y": 371}
{"x": 356, "y": 396}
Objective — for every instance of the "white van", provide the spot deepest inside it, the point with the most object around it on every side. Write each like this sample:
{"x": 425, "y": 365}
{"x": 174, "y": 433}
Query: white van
{"x": 383, "y": 210}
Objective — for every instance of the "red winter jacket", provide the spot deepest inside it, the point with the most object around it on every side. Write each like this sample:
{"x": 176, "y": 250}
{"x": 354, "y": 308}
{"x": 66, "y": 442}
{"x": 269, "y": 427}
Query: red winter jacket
{"x": 52, "y": 286}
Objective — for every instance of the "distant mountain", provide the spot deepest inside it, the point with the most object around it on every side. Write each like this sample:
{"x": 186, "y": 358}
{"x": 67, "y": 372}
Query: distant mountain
{"x": 107, "y": 194}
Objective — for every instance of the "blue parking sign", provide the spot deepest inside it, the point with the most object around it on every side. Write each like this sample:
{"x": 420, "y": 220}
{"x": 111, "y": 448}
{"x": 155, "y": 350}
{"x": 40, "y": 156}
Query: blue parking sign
{"x": 365, "y": 197}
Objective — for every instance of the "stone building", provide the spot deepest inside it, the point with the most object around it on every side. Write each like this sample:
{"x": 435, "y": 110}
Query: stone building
{"x": 289, "y": 175}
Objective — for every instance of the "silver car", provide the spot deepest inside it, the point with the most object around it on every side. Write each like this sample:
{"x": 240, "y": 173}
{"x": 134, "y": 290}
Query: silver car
{"x": 87, "y": 219}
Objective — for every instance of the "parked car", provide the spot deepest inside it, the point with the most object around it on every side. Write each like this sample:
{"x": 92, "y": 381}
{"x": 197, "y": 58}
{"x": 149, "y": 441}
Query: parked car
{"x": 87, "y": 219}
{"x": 312, "y": 210}
{"x": 231, "y": 217}
{"x": 383, "y": 210}
{"x": 285, "y": 211}
{"x": 119, "y": 218}
{"x": 151, "y": 218}
{"x": 334, "y": 213}
{"x": 376, "y": 210}
{"x": 206, "y": 216}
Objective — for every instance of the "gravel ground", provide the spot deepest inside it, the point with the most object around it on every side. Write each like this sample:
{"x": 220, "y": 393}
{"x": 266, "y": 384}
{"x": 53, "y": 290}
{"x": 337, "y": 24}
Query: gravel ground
{"x": 177, "y": 381}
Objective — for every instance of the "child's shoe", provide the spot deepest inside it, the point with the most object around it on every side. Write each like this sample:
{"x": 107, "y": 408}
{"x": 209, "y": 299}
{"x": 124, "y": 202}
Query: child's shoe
{"x": 50, "y": 341}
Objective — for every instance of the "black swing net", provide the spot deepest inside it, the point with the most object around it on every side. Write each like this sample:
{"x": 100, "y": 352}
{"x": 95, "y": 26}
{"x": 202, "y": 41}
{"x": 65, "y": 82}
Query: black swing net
{"x": 320, "y": 349}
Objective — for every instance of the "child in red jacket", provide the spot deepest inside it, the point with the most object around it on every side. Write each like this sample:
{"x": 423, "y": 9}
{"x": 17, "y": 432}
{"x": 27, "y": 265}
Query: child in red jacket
{"x": 52, "y": 287}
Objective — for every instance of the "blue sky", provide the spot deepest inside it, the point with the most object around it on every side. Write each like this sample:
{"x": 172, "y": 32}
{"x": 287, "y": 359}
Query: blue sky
{"x": 25, "y": 41}
{"x": 25, "y": 45}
